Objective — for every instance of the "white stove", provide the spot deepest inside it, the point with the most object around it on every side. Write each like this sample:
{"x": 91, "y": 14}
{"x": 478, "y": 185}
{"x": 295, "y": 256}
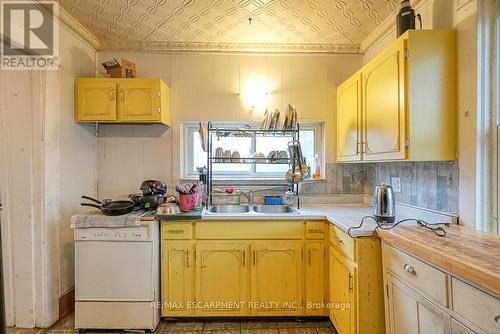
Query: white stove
{"x": 116, "y": 277}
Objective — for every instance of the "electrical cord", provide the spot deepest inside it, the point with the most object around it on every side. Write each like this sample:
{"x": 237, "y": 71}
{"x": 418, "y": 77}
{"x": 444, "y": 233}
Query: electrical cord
{"x": 437, "y": 228}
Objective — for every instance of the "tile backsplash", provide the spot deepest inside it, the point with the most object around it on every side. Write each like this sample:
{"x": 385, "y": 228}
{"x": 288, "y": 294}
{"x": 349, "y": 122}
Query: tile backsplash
{"x": 340, "y": 179}
{"x": 431, "y": 185}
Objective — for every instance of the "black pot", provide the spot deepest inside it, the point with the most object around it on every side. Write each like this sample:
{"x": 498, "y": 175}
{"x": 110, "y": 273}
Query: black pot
{"x": 151, "y": 202}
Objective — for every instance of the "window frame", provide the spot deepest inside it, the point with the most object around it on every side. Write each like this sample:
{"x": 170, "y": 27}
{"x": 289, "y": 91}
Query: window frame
{"x": 488, "y": 117}
{"x": 189, "y": 128}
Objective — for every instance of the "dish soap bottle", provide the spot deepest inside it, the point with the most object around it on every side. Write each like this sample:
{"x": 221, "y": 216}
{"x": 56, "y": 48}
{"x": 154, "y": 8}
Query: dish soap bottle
{"x": 316, "y": 175}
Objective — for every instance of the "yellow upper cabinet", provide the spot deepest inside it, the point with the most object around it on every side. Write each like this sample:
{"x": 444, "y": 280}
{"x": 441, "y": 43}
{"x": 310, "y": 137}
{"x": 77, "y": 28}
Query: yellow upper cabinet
{"x": 349, "y": 119}
{"x": 96, "y": 100}
{"x": 383, "y": 105}
{"x": 408, "y": 102}
{"x": 139, "y": 100}
{"x": 122, "y": 100}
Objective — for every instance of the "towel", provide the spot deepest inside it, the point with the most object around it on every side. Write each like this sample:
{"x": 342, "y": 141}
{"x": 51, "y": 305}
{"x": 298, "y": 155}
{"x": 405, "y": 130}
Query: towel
{"x": 99, "y": 220}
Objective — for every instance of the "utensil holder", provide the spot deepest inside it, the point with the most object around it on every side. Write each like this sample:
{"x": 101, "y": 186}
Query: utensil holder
{"x": 187, "y": 202}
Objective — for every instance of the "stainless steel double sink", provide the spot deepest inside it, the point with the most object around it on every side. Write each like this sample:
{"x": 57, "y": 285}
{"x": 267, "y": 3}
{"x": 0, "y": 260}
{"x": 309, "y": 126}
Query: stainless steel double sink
{"x": 243, "y": 209}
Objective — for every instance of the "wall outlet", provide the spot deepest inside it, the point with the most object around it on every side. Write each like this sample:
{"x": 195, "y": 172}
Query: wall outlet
{"x": 396, "y": 184}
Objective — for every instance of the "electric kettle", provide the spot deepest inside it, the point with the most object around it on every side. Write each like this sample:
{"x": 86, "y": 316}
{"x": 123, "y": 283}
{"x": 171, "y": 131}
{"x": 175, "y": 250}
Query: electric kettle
{"x": 384, "y": 208}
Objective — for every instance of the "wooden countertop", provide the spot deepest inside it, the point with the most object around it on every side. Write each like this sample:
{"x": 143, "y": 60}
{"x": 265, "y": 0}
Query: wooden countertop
{"x": 470, "y": 254}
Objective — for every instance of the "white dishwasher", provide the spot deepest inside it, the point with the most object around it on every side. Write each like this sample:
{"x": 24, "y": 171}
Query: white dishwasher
{"x": 117, "y": 277}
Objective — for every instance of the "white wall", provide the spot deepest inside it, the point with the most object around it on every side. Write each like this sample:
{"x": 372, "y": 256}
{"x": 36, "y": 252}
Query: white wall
{"x": 46, "y": 162}
{"x": 438, "y": 14}
{"x": 205, "y": 86}
{"x": 20, "y": 182}
{"x": 76, "y": 148}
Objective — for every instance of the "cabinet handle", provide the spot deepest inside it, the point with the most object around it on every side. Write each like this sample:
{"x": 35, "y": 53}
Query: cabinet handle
{"x": 244, "y": 258}
{"x": 187, "y": 259}
{"x": 122, "y": 94}
{"x": 314, "y": 230}
{"x": 358, "y": 144}
{"x": 111, "y": 94}
{"x": 309, "y": 257}
{"x": 350, "y": 282}
{"x": 409, "y": 269}
{"x": 340, "y": 241}
{"x": 254, "y": 258}
{"x": 497, "y": 319}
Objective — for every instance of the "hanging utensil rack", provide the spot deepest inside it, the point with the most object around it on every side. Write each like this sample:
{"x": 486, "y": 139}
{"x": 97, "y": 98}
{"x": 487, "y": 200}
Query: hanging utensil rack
{"x": 293, "y": 134}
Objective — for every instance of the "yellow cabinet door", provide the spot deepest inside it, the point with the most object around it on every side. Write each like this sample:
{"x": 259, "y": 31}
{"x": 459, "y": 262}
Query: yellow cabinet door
{"x": 315, "y": 278}
{"x": 222, "y": 276}
{"x": 349, "y": 119}
{"x": 276, "y": 279}
{"x": 95, "y": 100}
{"x": 411, "y": 313}
{"x": 383, "y": 92}
{"x": 177, "y": 277}
{"x": 139, "y": 100}
{"x": 342, "y": 279}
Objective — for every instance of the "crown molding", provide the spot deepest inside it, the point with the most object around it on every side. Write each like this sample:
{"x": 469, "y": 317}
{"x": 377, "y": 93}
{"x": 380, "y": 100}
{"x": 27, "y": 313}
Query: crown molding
{"x": 228, "y": 47}
{"x": 70, "y": 22}
{"x": 383, "y": 29}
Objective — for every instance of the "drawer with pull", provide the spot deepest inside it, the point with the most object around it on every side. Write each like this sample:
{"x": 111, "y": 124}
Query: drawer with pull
{"x": 177, "y": 231}
{"x": 342, "y": 241}
{"x": 422, "y": 276}
{"x": 476, "y": 306}
{"x": 315, "y": 229}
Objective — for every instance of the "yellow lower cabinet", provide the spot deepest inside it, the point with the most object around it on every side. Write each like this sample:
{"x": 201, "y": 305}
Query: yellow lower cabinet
{"x": 342, "y": 278}
{"x": 222, "y": 275}
{"x": 411, "y": 313}
{"x": 315, "y": 279}
{"x": 276, "y": 279}
{"x": 177, "y": 259}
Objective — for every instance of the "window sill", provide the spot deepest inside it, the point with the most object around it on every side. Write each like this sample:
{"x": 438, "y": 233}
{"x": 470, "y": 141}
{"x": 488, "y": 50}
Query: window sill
{"x": 250, "y": 180}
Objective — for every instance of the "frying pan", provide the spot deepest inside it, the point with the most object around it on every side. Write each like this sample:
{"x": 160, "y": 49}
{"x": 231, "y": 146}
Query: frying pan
{"x": 110, "y": 208}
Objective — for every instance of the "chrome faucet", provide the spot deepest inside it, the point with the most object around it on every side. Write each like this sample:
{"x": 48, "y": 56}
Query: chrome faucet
{"x": 248, "y": 196}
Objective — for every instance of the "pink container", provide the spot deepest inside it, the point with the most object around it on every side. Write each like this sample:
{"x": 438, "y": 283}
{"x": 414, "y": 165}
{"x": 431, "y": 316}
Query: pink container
{"x": 188, "y": 202}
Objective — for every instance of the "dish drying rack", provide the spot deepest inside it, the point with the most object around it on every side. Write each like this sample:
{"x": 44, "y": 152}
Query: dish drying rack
{"x": 293, "y": 134}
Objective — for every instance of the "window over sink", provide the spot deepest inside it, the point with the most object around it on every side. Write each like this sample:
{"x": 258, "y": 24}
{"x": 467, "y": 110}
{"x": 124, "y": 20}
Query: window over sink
{"x": 311, "y": 139}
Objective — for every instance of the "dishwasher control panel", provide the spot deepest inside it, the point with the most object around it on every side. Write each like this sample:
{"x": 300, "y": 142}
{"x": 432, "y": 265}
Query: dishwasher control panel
{"x": 114, "y": 234}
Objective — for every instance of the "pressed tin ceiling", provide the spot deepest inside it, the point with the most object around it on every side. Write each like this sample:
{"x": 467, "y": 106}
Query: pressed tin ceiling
{"x": 244, "y": 25}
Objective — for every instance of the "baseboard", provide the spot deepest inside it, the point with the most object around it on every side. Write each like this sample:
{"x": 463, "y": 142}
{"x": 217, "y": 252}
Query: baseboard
{"x": 66, "y": 302}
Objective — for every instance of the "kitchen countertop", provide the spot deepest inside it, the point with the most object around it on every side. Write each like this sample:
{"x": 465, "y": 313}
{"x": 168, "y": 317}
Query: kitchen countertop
{"x": 191, "y": 215}
{"x": 470, "y": 254}
{"x": 343, "y": 216}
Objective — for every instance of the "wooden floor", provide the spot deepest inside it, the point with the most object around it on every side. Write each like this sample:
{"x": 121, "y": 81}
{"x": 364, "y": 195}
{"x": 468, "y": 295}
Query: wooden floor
{"x": 266, "y": 326}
